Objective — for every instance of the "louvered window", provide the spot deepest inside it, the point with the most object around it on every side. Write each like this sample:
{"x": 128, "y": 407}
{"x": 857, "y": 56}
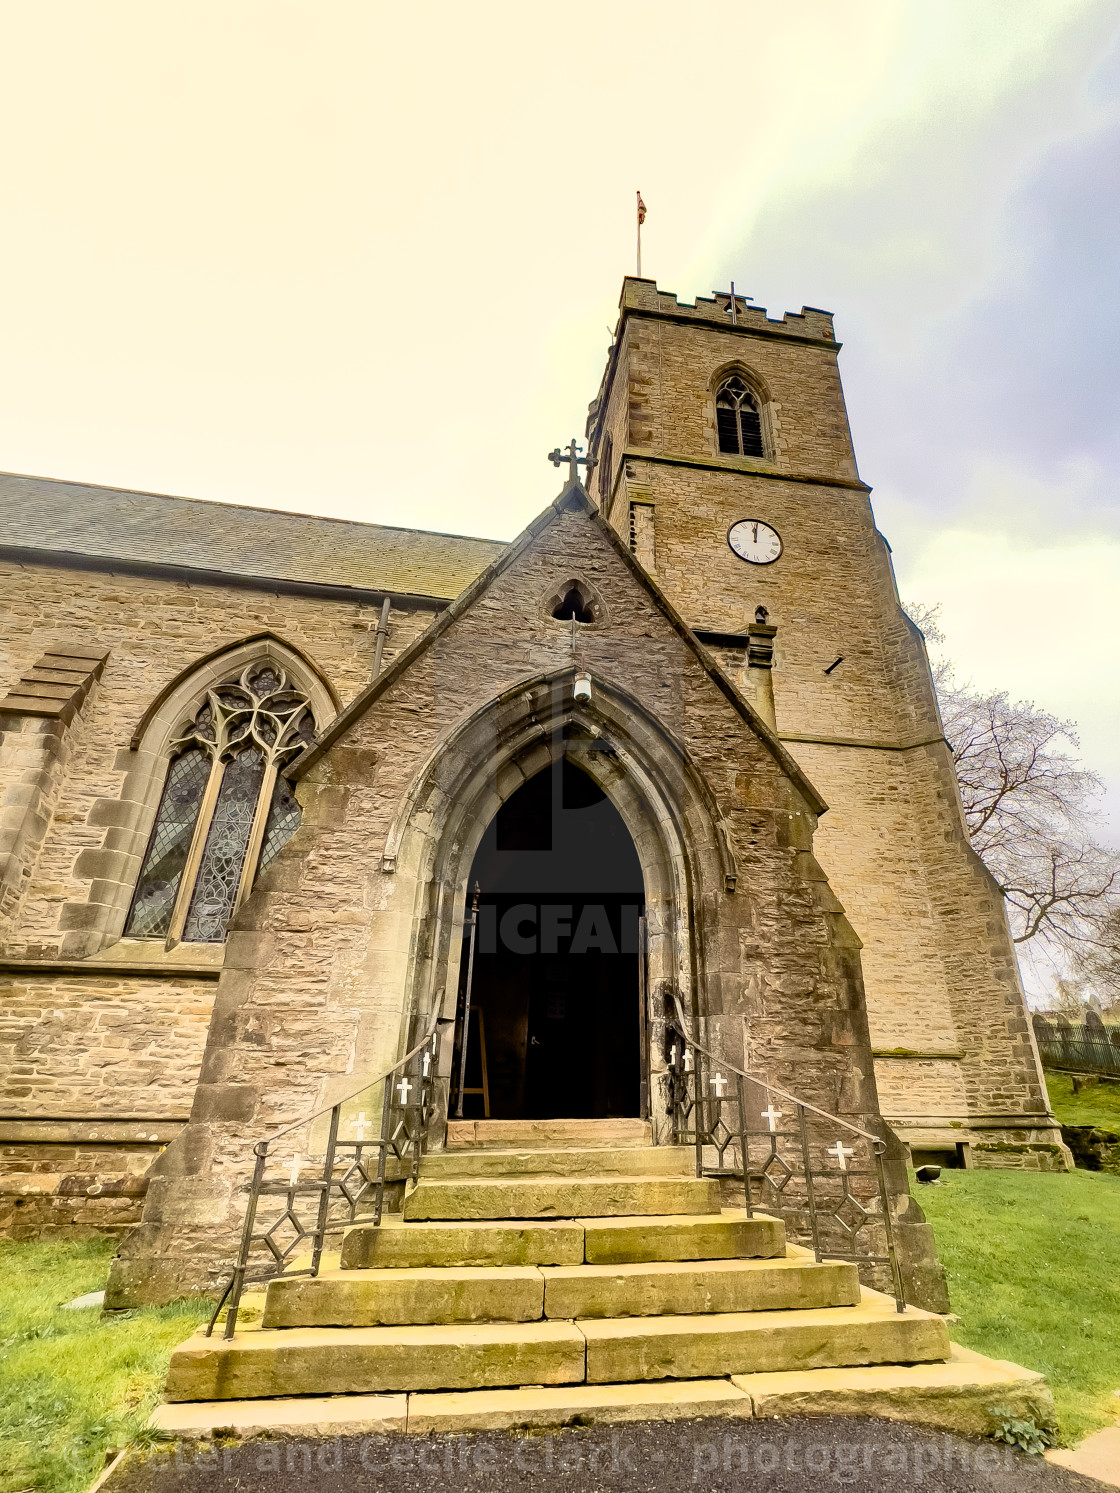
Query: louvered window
{"x": 738, "y": 420}
{"x": 225, "y": 811}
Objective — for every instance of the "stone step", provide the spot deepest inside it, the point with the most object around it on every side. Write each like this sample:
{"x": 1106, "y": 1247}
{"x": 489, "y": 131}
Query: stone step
{"x": 540, "y": 1409}
{"x": 561, "y": 1197}
{"x": 571, "y": 1161}
{"x": 370, "y": 1298}
{"x": 700, "y": 1347}
{"x": 482, "y": 1242}
{"x": 961, "y": 1395}
{"x": 727, "y": 1235}
{"x": 505, "y": 1135}
{"x": 679, "y": 1289}
{"x": 261, "y": 1364}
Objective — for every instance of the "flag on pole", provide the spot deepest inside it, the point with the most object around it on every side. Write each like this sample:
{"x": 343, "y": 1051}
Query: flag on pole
{"x": 641, "y": 210}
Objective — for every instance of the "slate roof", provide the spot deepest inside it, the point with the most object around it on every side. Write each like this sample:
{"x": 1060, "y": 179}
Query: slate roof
{"x": 76, "y": 518}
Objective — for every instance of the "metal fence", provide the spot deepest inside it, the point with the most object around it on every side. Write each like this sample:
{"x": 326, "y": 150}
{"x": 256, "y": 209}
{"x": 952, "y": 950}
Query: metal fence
{"x": 1081, "y": 1048}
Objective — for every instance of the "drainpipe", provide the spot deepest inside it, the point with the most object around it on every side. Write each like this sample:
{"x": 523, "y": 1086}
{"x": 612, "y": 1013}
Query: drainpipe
{"x": 760, "y": 666}
{"x": 382, "y": 633}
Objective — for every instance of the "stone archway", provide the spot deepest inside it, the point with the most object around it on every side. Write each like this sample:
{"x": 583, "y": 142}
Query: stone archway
{"x": 649, "y": 778}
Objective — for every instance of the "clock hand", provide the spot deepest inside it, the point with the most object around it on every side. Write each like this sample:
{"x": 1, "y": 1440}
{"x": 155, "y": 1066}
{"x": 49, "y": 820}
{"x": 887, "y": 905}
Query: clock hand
{"x": 755, "y": 527}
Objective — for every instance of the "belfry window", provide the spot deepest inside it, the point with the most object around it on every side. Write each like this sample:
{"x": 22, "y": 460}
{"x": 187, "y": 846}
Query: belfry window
{"x": 574, "y": 606}
{"x": 738, "y": 419}
{"x": 226, "y": 811}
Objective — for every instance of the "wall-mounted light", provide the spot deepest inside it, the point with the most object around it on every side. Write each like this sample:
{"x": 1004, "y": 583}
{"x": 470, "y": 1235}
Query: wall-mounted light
{"x": 581, "y": 689}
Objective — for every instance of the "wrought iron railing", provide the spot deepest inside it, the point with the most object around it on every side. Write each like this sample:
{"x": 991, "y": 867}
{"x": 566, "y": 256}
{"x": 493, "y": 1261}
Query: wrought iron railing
{"x": 822, "y": 1175}
{"x": 1079, "y": 1048}
{"x": 333, "y": 1179}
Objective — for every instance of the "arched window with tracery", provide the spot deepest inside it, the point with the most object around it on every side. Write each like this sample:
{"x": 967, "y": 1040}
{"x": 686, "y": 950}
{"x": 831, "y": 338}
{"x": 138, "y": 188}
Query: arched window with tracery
{"x": 739, "y": 419}
{"x": 226, "y": 809}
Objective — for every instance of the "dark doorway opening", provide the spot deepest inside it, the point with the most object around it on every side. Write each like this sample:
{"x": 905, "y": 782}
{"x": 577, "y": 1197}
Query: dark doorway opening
{"x": 555, "y": 1030}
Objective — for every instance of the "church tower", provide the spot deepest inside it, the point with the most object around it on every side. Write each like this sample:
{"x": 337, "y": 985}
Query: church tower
{"x": 725, "y": 461}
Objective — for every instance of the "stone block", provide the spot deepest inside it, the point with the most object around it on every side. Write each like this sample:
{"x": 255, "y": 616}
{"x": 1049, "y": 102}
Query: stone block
{"x": 364, "y": 1360}
{"x": 755, "y": 1342}
{"x": 675, "y": 1288}
{"x": 540, "y": 1409}
{"x": 959, "y": 1394}
{"x": 483, "y": 1243}
{"x": 561, "y": 1197}
{"x": 372, "y": 1297}
{"x": 730, "y": 1235}
{"x": 648, "y": 1161}
{"x": 349, "y": 1415}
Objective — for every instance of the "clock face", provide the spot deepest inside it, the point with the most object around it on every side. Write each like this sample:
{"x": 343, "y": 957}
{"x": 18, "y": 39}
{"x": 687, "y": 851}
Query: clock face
{"x": 754, "y": 541}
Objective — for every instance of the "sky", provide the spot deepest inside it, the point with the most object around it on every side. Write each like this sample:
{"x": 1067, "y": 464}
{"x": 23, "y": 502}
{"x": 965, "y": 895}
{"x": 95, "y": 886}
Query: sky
{"x": 363, "y": 259}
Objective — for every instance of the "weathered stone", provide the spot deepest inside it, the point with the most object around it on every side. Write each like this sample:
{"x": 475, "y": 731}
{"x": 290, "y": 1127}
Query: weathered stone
{"x": 673, "y": 1288}
{"x": 634, "y": 1161}
{"x": 959, "y": 1395}
{"x": 363, "y": 1360}
{"x": 338, "y": 1415}
{"x": 754, "y": 1342}
{"x": 368, "y": 1298}
{"x": 730, "y": 1235}
{"x": 480, "y": 1243}
{"x": 561, "y": 1197}
{"x": 539, "y": 1409}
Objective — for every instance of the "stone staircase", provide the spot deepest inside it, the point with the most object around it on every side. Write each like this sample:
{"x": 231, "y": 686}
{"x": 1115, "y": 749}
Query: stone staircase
{"x": 568, "y": 1272}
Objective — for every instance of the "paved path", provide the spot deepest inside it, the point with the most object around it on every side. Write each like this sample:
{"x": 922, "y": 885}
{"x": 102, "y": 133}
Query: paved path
{"x": 714, "y": 1456}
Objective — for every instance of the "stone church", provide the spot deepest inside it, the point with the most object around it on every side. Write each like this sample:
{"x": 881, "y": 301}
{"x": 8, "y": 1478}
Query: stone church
{"x": 677, "y": 738}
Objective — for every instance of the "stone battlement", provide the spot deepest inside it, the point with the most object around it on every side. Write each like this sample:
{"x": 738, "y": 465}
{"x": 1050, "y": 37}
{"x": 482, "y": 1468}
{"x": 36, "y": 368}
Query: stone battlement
{"x": 644, "y": 295}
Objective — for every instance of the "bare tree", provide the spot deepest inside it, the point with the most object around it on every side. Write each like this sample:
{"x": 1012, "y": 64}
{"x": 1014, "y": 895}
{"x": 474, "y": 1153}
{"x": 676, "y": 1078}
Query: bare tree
{"x": 1030, "y": 810}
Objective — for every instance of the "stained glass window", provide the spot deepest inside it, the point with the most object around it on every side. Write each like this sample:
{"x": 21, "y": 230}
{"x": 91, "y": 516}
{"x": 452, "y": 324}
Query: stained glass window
{"x": 171, "y": 840}
{"x": 239, "y": 740}
{"x": 283, "y": 821}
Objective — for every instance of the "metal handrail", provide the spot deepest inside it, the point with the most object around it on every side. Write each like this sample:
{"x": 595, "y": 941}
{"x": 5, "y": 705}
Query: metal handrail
{"x": 404, "y": 1126}
{"x": 769, "y": 1087}
{"x": 697, "y": 1115}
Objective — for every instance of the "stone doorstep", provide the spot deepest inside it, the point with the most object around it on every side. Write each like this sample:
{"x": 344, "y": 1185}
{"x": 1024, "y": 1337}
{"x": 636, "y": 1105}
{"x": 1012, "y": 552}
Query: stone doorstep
{"x": 533, "y": 1134}
{"x": 953, "y": 1396}
{"x": 373, "y": 1297}
{"x": 571, "y": 1161}
{"x": 561, "y": 1197}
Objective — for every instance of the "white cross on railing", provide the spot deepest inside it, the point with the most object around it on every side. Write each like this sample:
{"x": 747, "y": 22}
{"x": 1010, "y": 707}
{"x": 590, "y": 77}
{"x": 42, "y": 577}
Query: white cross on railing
{"x": 772, "y": 1116}
{"x": 404, "y": 1088}
{"x": 674, "y": 1056}
{"x": 841, "y": 1152}
{"x": 361, "y": 1125}
{"x": 297, "y": 1162}
{"x": 719, "y": 1083}
{"x": 427, "y": 1064}
{"x": 688, "y": 1060}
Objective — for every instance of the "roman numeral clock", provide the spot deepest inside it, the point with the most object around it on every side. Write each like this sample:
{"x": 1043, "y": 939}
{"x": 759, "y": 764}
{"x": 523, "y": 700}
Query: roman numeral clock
{"x": 754, "y": 541}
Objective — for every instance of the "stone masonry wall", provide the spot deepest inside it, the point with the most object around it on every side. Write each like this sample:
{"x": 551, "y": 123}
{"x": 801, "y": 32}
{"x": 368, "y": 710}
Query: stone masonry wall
{"x": 938, "y": 963}
{"x": 332, "y": 947}
{"x": 82, "y": 1049}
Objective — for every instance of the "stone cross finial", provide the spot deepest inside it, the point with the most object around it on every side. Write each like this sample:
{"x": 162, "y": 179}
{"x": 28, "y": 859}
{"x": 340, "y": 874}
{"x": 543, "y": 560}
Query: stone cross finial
{"x": 571, "y": 455}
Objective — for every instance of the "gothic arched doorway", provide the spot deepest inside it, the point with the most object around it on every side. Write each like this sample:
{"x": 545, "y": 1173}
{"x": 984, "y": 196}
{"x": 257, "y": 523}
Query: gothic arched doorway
{"x": 555, "y": 998}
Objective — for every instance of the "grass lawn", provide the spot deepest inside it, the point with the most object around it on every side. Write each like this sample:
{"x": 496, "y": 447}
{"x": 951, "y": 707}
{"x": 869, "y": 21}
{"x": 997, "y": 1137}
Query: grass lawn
{"x": 1033, "y": 1260}
{"x": 73, "y": 1386}
{"x": 1098, "y": 1105}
